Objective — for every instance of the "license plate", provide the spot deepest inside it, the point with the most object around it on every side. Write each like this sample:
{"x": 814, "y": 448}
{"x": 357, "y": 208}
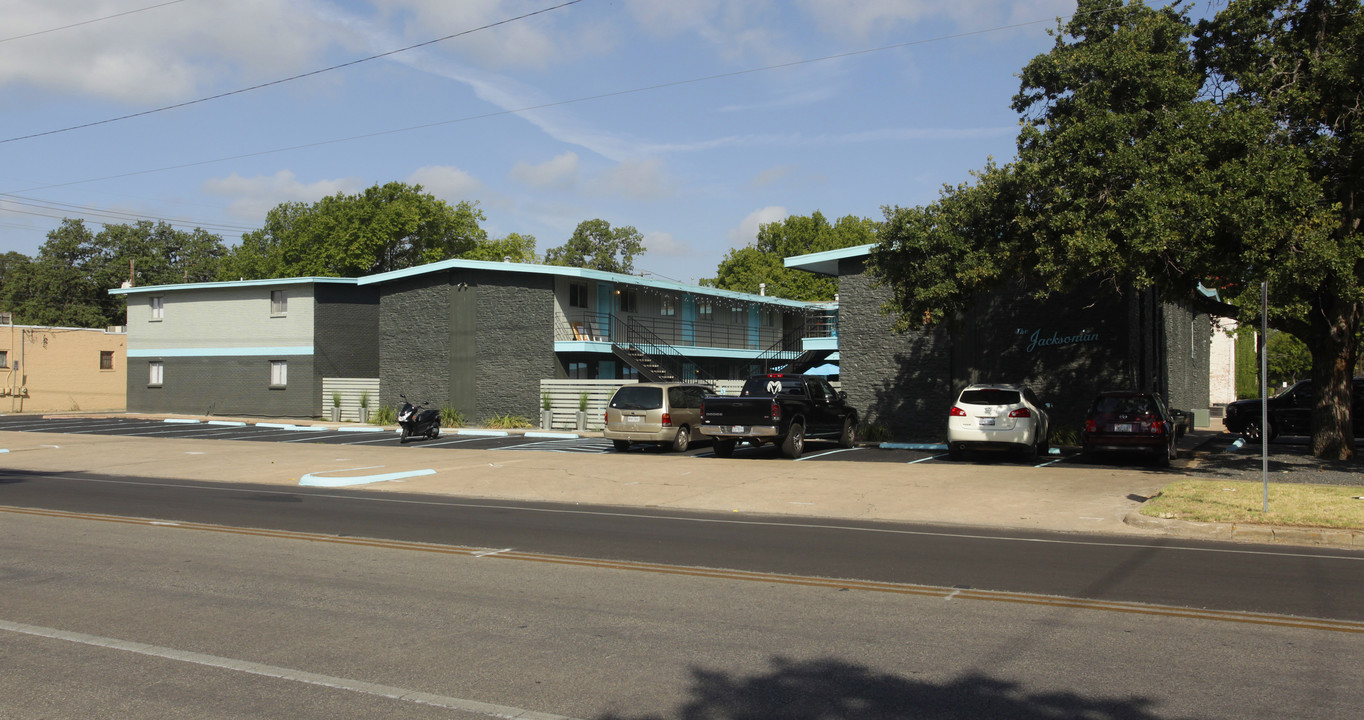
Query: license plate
{"x": 1124, "y": 427}
{"x": 738, "y": 429}
{"x": 633, "y": 418}
{"x": 987, "y": 421}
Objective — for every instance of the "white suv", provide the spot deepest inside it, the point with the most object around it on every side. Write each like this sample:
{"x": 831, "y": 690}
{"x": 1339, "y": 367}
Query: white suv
{"x": 997, "y": 417}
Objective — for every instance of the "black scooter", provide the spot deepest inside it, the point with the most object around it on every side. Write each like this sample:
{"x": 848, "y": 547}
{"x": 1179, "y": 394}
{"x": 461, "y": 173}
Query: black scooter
{"x": 418, "y": 420}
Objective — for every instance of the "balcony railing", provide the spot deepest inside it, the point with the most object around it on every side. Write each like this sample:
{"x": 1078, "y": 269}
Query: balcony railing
{"x": 605, "y": 327}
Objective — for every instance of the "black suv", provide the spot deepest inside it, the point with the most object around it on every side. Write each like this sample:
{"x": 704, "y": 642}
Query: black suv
{"x": 1290, "y": 412}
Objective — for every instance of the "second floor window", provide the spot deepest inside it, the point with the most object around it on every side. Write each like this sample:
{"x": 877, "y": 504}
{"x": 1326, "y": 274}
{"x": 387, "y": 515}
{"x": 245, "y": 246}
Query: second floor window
{"x": 704, "y": 310}
{"x": 158, "y": 307}
{"x": 279, "y": 302}
{"x": 629, "y": 300}
{"x": 577, "y": 295}
{"x": 106, "y": 359}
{"x": 667, "y": 308}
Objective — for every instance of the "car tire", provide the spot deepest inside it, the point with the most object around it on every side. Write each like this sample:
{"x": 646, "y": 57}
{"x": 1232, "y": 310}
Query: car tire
{"x": 849, "y": 436}
{"x": 794, "y": 443}
{"x": 682, "y": 441}
{"x": 724, "y": 448}
{"x": 621, "y": 445}
{"x": 1251, "y": 431}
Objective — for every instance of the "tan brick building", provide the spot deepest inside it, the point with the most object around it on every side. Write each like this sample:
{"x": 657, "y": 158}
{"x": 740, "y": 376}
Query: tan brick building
{"x": 53, "y": 369}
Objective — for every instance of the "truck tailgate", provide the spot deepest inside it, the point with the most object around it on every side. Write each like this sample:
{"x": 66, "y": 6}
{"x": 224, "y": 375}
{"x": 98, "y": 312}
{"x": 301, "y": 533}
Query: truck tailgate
{"x": 738, "y": 411}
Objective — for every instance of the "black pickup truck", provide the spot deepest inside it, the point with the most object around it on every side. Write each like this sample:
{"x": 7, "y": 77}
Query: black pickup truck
{"x": 782, "y": 409}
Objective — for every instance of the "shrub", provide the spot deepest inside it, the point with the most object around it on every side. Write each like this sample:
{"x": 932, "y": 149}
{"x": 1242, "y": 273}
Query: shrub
{"x": 874, "y": 432}
{"x": 385, "y": 415}
{"x": 450, "y": 417}
{"x": 507, "y": 420}
{"x": 582, "y": 402}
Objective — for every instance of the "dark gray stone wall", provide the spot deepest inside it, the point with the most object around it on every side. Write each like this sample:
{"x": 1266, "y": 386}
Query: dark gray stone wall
{"x": 900, "y": 381}
{"x": 414, "y": 340}
{"x": 345, "y": 331}
{"x": 225, "y": 386}
{"x": 515, "y": 320}
{"x": 1067, "y": 348}
{"x": 479, "y": 341}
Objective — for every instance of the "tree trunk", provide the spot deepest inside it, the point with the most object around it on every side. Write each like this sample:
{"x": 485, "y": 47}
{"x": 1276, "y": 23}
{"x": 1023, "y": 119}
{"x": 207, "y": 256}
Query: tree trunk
{"x": 1335, "y": 348}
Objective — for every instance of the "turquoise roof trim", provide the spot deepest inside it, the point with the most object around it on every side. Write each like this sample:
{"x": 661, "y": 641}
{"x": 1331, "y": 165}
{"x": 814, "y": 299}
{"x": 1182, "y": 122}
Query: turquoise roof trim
{"x": 826, "y": 263}
{"x": 584, "y": 273}
{"x": 232, "y": 284}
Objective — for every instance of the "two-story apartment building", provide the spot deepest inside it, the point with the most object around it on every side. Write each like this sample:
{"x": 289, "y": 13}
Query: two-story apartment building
{"x": 256, "y": 348}
{"x": 1068, "y": 348}
{"x": 481, "y": 335}
{"x": 478, "y": 336}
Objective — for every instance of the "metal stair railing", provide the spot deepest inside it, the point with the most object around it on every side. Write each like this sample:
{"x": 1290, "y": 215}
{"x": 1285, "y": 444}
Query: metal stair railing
{"x": 655, "y": 355}
{"x": 780, "y": 354}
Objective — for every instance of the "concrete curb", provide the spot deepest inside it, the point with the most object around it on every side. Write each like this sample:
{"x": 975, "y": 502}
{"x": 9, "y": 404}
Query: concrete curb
{"x": 1247, "y": 532}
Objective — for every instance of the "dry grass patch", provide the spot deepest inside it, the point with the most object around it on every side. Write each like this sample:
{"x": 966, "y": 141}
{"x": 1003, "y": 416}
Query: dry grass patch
{"x": 1327, "y": 506}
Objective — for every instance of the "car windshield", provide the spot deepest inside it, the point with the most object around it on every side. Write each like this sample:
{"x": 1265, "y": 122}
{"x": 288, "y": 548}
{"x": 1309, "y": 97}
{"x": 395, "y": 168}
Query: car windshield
{"x": 990, "y": 396}
{"x": 637, "y": 398}
{"x": 768, "y": 386}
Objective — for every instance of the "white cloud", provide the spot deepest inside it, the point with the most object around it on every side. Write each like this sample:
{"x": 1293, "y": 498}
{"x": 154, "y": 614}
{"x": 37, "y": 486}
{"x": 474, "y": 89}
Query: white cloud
{"x": 662, "y": 243}
{"x": 772, "y": 175}
{"x": 253, "y": 197}
{"x": 163, "y": 54}
{"x": 560, "y": 172}
{"x": 446, "y": 182}
{"x": 636, "y": 179}
{"x": 746, "y": 233}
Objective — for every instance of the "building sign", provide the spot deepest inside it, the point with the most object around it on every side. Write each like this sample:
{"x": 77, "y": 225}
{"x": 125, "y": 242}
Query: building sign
{"x": 1037, "y": 339}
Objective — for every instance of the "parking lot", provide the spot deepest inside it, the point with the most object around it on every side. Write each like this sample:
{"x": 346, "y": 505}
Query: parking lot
{"x": 475, "y": 439}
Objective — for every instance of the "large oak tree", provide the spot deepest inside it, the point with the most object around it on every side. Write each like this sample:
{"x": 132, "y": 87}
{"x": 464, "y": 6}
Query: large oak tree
{"x": 1159, "y": 153}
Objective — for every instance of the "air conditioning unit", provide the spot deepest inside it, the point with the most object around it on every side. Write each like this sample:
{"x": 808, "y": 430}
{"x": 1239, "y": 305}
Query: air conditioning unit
{"x": 116, "y": 329}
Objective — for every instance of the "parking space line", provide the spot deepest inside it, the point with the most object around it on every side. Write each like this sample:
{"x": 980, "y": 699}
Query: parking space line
{"x": 926, "y": 459}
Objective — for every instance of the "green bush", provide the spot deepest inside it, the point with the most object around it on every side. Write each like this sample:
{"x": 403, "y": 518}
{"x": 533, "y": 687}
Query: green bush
{"x": 385, "y": 415}
{"x": 874, "y": 432}
{"x": 508, "y": 421}
{"x": 450, "y": 417}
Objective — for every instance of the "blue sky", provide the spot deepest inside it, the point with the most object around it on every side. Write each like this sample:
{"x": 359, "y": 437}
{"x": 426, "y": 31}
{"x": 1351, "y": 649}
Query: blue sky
{"x": 692, "y": 120}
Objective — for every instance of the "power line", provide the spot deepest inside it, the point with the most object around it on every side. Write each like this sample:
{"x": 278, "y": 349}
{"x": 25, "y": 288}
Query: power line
{"x": 287, "y": 79}
{"x": 87, "y": 22}
{"x": 65, "y": 210}
{"x": 551, "y": 104}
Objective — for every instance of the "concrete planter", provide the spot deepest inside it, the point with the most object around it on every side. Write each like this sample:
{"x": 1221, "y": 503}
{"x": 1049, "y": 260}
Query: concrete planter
{"x": 364, "y": 415}
{"x": 582, "y": 420}
{"x": 546, "y": 419}
{"x": 336, "y": 414}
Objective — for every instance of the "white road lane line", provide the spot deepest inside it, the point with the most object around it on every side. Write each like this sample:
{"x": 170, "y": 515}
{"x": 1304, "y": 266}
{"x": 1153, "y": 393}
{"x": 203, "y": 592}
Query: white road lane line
{"x": 283, "y": 673}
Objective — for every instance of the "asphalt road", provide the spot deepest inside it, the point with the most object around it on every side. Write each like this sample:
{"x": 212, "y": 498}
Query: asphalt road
{"x": 113, "y": 619}
{"x": 1313, "y": 582}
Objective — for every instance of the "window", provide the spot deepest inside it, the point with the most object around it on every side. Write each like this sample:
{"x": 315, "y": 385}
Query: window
{"x": 668, "y": 308}
{"x": 629, "y": 300}
{"x": 279, "y": 373}
{"x": 4, "y": 358}
{"x": 106, "y": 359}
{"x": 704, "y": 310}
{"x": 158, "y": 307}
{"x": 155, "y": 373}
{"x": 577, "y": 295}
{"x": 738, "y": 316}
{"x": 279, "y": 302}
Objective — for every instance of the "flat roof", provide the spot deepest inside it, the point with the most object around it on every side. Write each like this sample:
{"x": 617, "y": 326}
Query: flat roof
{"x": 585, "y": 274}
{"x": 231, "y": 284}
{"x": 826, "y": 263}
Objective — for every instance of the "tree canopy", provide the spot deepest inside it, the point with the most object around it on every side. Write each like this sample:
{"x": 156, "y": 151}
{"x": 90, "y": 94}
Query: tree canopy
{"x": 67, "y": 283}
{"x": 1159, "y": 153}
{"x": 597, "y": 246}
{"x": 744, "y": 269}
{"x": 386, "y": 227}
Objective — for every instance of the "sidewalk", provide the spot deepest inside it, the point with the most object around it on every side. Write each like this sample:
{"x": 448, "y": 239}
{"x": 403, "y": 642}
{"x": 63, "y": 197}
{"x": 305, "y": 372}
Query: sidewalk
{"x": 1066, "y": 497}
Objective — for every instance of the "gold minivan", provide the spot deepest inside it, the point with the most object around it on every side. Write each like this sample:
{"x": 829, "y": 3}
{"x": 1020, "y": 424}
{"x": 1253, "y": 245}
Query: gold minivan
{"x": 663, "y": 414}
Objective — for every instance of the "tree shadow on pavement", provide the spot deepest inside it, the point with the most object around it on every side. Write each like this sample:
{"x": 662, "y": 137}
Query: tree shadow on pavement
{"x": 829, "y": 689}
